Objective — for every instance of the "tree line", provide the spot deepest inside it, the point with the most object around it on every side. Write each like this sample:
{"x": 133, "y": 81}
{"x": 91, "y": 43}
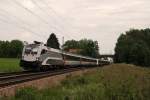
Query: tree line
{"x": 86, "y": 47}
{"x": 11, "y": 49}
{"x": 133, "y": 47}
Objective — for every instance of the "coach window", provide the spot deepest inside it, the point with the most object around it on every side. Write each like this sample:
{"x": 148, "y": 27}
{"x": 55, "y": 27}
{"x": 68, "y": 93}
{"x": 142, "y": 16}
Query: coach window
{"x": 43, "y": 51}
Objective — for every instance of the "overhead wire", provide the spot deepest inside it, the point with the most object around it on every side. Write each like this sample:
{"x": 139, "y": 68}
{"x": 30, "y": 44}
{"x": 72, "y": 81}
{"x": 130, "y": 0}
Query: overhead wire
{"x": 60, "y": 17}
{"x": 24, "y": 28}
{"x": 48, "y": 15}
{"x": 53, "y": 11}
{"x": 36, "y": 15}
{"x": 16, "y": 18}
{"x": 17, "y": 24}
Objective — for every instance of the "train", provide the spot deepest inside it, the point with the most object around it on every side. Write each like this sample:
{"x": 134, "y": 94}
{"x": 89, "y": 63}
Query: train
{"x": 37, "y": 56}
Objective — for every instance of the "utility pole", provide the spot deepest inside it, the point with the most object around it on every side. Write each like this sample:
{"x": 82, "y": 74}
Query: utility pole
{"x": 62, "y": 49}
{"x": 62, "y": 43}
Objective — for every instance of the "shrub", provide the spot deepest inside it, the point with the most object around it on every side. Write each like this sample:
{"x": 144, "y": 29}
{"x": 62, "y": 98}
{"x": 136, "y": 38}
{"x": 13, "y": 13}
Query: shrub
{"x": 27, "y": 94}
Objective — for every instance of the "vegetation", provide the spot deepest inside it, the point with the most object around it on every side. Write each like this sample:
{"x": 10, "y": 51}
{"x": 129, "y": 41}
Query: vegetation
{"x": 9, "y": 65}
{"x": 134, "y": 47}
{"x": 11, "y": 49}
{"x": 87, "y": 47}
{"x": 113, "y": 82}
{"x": 53, "y": 42}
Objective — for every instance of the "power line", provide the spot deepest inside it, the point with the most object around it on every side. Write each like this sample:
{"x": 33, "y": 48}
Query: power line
{"x": 32, "y": 13}
{"x": 36, "y": 15}
{"x": 14, "y": 17}
{"x": 52, "y": 9}
{"x": 55, "y": 13}
{"x": 46, "y": 13}
{"x": 25, "y": 28}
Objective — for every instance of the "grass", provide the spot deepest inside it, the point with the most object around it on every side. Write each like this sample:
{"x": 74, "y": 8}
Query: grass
{"x": 9, "y": 65}
{"x": 113, "y": 82}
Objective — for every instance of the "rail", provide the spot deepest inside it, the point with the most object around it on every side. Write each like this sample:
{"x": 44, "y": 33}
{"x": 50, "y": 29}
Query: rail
{"x": 16, "y": 78}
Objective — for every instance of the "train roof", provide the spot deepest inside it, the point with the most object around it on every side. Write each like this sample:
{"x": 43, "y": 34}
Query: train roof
{"x": 70, "y": 54}
{"x": 63, "y": 52}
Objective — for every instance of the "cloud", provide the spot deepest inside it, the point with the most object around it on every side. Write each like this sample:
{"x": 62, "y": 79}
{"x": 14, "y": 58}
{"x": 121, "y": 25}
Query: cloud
{"x": 101, "y": 20}
{"x": 28, "y": 3}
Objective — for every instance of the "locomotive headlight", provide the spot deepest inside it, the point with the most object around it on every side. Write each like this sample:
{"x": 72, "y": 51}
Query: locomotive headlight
{"x": 37, "y": 58}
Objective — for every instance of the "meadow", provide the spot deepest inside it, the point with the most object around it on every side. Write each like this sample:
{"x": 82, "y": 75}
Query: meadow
{"x": 9, "y": 65}
{"x": 112, "y": 82}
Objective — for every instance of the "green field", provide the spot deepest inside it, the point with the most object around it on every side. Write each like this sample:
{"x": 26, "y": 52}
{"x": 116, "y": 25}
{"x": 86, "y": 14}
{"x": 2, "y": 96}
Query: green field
{"x": 9, "y": 65}
{"x": 113, "y": 82}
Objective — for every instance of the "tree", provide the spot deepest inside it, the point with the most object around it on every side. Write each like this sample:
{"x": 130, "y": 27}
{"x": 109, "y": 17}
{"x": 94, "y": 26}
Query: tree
{"x": 5, "y": 49}
{"x": 53, "y": 42}
{"x": 87, "y": 47}
{"x": 139, "y": 54}
{"x": 133, "y": 47}
{"x": 11, "y": 49}
{"x": 70, "y": 44}
{"x": 16, "y": 47}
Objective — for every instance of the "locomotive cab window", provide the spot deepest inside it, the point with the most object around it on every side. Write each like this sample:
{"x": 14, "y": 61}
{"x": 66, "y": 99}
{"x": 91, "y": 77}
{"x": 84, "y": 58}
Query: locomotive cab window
{"x": 43, "y": 51}
{"x": 27, "y": 50}
{"x": 34, "y": 50}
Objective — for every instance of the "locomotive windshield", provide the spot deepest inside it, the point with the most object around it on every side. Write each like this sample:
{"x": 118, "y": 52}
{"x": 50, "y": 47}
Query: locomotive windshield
{"x": 27, "y": 50}
{"x": 31, "y": 49}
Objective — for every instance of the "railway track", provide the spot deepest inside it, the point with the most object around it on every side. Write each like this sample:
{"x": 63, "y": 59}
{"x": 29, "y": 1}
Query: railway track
{"x": 15, "y": 78}
{"x": 13, "y": 73}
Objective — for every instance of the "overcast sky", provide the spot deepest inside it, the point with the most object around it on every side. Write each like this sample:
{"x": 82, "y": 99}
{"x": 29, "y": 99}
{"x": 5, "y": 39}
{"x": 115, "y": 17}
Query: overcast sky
{"x": 101, "y": 20}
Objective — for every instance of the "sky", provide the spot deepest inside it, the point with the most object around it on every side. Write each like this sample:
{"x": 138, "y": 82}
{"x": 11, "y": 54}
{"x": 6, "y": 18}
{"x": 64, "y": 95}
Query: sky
{"x": 101, "y": 20}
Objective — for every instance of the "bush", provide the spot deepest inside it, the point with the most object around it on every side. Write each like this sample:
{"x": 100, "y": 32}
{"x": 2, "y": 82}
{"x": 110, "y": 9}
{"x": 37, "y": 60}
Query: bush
{"x": 27, "y": 94}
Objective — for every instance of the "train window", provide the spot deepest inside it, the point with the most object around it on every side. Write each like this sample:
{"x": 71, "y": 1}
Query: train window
{"x": 69, "y": 57}
{"x": 34, "y": 51}
{"x": 88, "y": 60}
{"x": 27, "y": 51}
{"x": 31, "y": 49}
{"x": 43, "y": 51}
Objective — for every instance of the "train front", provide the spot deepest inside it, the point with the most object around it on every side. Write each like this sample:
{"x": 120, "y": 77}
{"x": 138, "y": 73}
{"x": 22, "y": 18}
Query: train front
{"x": 30, "y": 56}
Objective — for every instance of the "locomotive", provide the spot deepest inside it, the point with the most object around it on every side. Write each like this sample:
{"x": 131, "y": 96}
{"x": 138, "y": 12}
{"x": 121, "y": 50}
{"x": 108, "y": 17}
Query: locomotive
{"x": 38, "y": 56}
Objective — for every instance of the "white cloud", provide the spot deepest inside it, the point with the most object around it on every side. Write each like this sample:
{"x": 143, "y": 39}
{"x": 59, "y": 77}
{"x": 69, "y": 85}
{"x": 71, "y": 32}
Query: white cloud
{"x": 28, "y": 3}
{"x": 102, "y": 20}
